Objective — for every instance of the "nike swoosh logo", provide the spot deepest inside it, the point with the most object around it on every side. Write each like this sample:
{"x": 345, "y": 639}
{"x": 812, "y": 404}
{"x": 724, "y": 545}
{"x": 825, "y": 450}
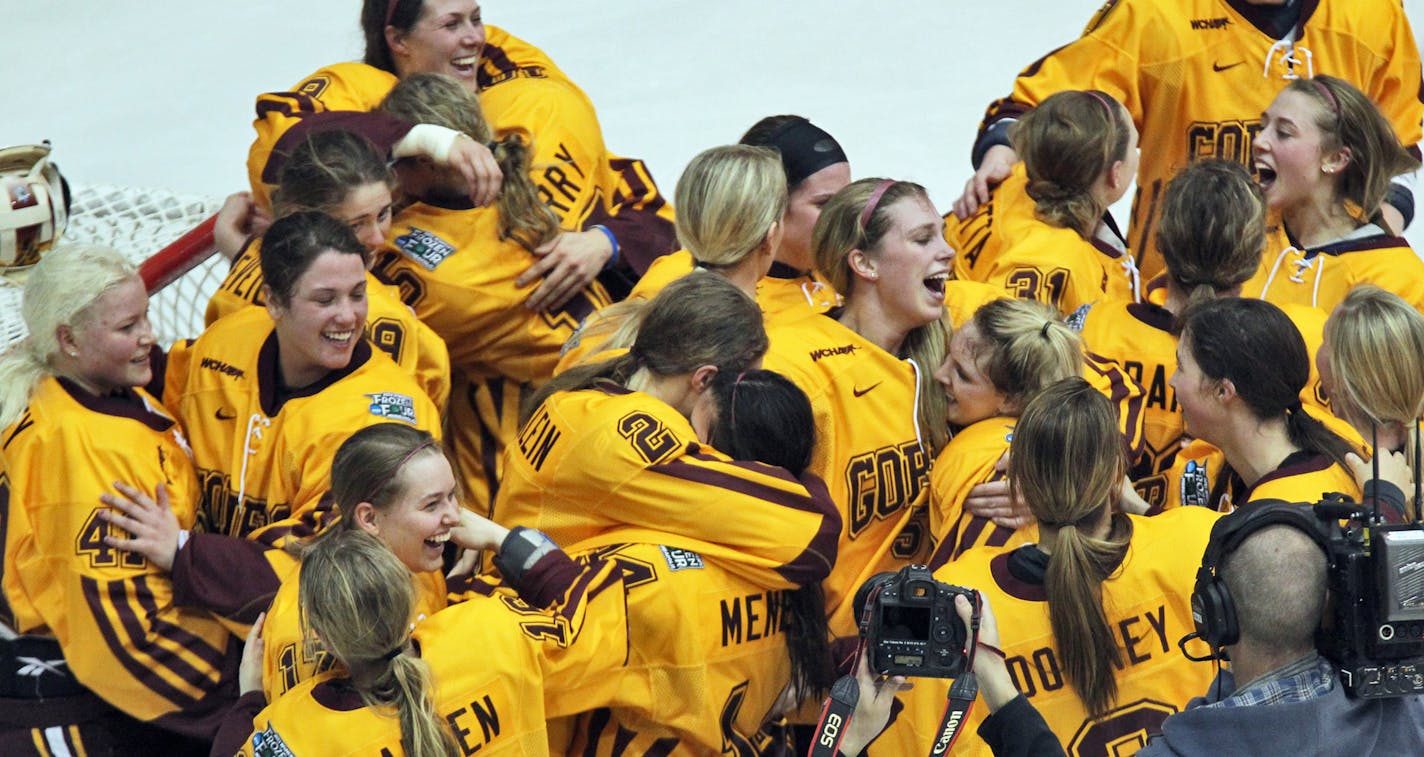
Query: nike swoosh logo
{"x": 1217, "y": 67}
{"x": 857, "y": 391}
{"x": 225, "y": 416}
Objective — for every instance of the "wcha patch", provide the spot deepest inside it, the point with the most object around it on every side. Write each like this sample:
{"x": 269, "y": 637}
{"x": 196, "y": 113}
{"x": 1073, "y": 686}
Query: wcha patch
{"x": 266, "y": 743}
{"x": 1196, "y": 485}
{"x": 681, "y": 559}
{"x": 424, "y": 247}
{"x": 397, "y": 407}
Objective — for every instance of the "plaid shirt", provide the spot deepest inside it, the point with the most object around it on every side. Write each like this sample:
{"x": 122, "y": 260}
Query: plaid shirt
{"x": 1307, "y": 678}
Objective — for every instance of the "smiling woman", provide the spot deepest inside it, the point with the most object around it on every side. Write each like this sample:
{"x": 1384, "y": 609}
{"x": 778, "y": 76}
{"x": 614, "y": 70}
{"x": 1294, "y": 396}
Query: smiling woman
{"x": 269, "y": 394}
{"x": 866, "y": 368}
{"x": 1325, "y": 155}
{"x": 75, "y": 419}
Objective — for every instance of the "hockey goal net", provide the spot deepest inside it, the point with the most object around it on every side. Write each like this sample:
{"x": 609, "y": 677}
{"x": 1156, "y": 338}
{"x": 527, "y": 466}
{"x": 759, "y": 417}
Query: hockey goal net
{"x": 168, "y": 235}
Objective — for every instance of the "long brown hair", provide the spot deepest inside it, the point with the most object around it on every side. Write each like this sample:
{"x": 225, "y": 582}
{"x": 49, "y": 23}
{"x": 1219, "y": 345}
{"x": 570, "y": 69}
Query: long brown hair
{"x": 1213, "y": 228}
{"x": 438, "y": 99}
{"x": 1066, "y": 461}
{"x": 1349, "y": 119}
{"x": 699, "y": 319}
{"x": 1066, "y": 143}
{"x": 358, "y": 599}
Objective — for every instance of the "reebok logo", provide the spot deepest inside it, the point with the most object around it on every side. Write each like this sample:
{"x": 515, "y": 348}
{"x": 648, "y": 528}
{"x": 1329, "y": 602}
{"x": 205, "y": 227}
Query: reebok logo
{"x": 845, "y": 349}
{"x": 857, "y": 391}
{"x": 213, "y": 364}
{"x": 1207, "y": 24}
{"x": 1217, "y": 67}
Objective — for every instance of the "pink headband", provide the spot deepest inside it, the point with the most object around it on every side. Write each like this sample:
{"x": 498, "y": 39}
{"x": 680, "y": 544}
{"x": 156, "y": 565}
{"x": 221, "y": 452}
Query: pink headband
{"x": 1096, "y": 95}
{"x": 376, "y": 489}
{"x": 873, "y": 201}
{"x": 1328, "y": 95}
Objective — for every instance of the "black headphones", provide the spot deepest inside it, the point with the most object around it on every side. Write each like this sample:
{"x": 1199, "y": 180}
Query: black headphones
{"x": 1213, "y": 611}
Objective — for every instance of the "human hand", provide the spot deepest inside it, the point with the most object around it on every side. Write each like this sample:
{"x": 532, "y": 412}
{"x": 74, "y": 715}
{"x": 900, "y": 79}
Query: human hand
{"x": 152, "y": 526}
{"x": 995, "y": 501}
{"x": 238, "y": 220}
{"x": 1393, "y": 467}
{"x": 992, "y": 674}
{"x": 475, "y": 534}
{"x": 249, "y": 671}
{"x": 994, "y": 168}
{"x": 872, "y": 710}
{"x": 568, "y": 263}
{"x": 476, "y": 163}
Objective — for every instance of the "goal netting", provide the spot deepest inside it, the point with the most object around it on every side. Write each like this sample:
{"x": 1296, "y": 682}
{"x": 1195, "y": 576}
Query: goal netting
{"x": 167, "y": 234}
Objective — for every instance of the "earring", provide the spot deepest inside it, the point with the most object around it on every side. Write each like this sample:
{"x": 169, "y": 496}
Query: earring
{"x": 1327, "y": 169}
{"x": 74, "y": 353}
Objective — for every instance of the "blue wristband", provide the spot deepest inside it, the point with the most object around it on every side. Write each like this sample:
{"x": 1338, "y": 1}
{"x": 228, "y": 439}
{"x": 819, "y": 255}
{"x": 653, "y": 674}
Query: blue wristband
{"x": 612, "y": 261}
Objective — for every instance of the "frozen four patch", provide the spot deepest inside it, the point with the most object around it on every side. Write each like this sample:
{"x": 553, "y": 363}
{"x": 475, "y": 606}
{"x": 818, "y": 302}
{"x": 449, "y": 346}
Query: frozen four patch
{"x": 266, "y": 743}
{"x": 681, "y": 559}
{"x": 397, "y": 407}
{"x": 424, "y": 247}
{"x": 1196, "y": 485}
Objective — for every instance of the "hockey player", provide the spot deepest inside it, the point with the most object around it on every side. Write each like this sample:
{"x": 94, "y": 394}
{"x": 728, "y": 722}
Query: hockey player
{"x": 269, "y": 394}
{"x": 102, "y": 654}
{"x": 1196, "y": 75}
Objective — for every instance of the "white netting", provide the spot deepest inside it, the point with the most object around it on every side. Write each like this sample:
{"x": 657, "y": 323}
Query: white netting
{"x": 140, "y": 223}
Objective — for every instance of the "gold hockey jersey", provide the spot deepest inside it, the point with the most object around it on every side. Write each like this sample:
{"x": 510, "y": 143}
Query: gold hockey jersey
{"x": 1148, "y": 605}
{"x": 263, "y": 455}
{"x": 391, "y": 326}
{"x": 112, "y": 612}
{"x": 1196, "y": 75}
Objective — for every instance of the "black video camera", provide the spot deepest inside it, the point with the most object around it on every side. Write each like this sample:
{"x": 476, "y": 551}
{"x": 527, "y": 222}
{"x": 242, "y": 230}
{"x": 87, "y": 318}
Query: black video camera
{"x": 1375, "y": 632}
{"x": 909, "y": 624}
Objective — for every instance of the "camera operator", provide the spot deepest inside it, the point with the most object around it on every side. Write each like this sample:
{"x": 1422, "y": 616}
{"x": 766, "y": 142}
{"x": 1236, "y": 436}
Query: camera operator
{"x": 1013, "y": 729}
{"x": 1262, "y": 595}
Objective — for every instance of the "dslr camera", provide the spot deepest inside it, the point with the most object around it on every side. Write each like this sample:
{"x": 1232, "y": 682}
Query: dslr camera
{"x": 1375, "y": 630}
{"x": 910, "y": 627}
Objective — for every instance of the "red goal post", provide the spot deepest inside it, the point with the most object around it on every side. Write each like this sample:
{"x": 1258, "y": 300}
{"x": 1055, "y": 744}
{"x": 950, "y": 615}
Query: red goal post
{"x": 167, "y": 234}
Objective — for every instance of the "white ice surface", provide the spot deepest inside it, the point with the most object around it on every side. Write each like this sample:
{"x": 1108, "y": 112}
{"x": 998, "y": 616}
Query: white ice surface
{"x": 160, "y": 93}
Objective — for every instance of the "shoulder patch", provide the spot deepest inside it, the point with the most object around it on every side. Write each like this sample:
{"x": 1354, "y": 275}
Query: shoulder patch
{"x": 266, "y": 743}
{"x": 424, "y": 247}
{"x": 1196, "y": 485}
{"x": 397, "y": 407}
{"x": 1077, "y": 318}
{"x": 681, "y": 559}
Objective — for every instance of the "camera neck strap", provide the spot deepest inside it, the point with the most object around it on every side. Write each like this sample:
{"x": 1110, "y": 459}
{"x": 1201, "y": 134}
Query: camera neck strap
{"x": 956, "y": 708}
{"x": 835, "y": 715}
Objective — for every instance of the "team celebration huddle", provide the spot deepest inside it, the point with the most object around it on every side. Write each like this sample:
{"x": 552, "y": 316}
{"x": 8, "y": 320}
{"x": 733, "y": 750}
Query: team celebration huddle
{"x": 492, "y": 445}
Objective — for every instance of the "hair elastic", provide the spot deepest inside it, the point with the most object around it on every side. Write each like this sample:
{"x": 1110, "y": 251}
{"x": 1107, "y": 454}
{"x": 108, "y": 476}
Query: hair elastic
{"x": 383, "y": 483}
{"x": 394, "y": 653}
{"x": 874, "y": 201}
{"x": 1294, "y": 407}
{"x": 1043, "y": 332}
